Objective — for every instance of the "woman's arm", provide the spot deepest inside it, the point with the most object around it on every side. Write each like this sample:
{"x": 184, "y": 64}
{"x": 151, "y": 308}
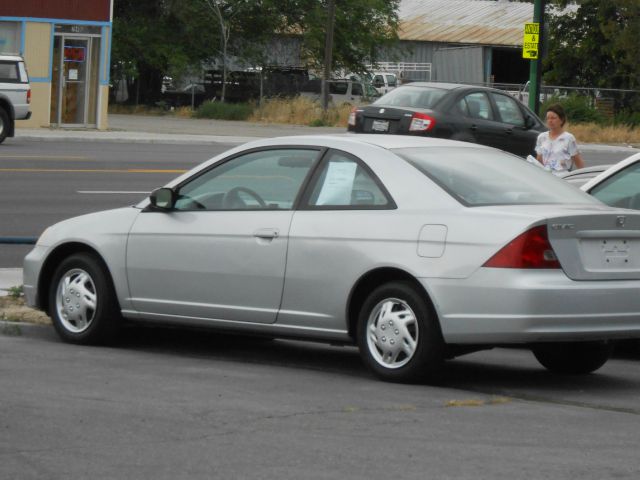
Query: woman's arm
{"x": 578, "y": 162}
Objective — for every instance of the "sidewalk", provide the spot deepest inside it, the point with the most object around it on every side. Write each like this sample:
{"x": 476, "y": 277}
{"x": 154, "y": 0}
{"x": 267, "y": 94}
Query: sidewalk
{"x": 9, "y": 277}
{"x": 175, "y": 130}
{"x": 178, "y": 130}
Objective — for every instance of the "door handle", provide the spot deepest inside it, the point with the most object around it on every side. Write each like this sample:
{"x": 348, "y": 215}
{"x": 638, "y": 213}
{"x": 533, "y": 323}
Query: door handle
{"x": 509, "y": 131}
{"x": 267, "y": 233}
{"x": 473, "y": 127}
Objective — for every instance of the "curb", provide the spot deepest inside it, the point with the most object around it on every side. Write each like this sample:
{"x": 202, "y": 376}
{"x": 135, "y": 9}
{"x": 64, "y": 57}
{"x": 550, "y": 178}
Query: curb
{"x": 131, "y": 137}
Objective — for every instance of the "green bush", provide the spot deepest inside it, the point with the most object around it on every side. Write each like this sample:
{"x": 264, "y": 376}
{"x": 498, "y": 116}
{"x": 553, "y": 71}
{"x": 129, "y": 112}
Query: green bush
{"x": 224, "y": 111}
{"x": 627, "y": 117}
{"x": 579, "y": 109}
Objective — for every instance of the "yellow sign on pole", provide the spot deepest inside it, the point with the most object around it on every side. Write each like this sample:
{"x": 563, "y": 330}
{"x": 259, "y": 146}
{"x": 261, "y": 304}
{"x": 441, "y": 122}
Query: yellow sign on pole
{"x": 531, "y": 40}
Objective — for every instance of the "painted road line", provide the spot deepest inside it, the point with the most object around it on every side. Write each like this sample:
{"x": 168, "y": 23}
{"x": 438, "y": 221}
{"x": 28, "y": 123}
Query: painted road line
{"x": 111, "y": 192}
{"x": 91, "y": 170}
{"x": 46, "y": 157}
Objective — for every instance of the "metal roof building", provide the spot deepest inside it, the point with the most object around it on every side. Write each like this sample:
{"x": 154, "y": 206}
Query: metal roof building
{"x": 478, "y": 22}
{"x": 473, "y": 41}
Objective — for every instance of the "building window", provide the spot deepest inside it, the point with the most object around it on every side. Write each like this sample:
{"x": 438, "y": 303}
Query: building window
{"x": 10, "y": 37}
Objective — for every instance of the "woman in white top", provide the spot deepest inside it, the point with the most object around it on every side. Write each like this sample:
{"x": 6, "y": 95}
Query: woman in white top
{"x": 556, "y": 149}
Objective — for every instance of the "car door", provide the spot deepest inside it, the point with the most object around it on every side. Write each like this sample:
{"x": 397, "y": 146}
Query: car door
{"x": 220, "y": 253}
{"x": 517, "y": 137}
{"x": 331, "y": 241}
{"x": 476, "y": 121}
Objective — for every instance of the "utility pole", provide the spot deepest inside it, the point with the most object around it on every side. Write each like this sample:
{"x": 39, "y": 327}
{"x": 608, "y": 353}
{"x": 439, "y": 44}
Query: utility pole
{"x": 535, "y": 69}
{"x": 328, "y": 53}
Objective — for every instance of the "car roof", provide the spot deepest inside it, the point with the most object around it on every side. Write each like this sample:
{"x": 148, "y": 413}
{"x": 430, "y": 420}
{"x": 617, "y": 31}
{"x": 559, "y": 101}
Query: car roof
{"x": 383, "y": 141}
{"x": 613, "y": 169}
{"x": 446, "y": 85}
{"x": 10, "y": 57}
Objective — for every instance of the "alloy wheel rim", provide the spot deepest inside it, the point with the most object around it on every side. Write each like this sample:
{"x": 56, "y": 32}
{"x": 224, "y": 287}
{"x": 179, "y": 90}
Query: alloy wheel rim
{"x": 392, "y": 333}
{"x": 76, "y": 300}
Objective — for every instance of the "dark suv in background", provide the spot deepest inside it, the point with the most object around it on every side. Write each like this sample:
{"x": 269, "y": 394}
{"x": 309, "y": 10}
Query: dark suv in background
{"x": 458, "y": 112}
{"x": 15, "y": 94}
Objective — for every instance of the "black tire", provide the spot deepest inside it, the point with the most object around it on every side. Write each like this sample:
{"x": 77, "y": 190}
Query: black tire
{"x": 82, "y": 301}
{"x": 577, "y": 358}
{"x": 415, "y": 351}
{"x": 5, "y": 124}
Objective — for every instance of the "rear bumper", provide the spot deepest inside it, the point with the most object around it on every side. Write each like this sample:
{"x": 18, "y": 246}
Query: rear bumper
{"x": 505, "y": 306}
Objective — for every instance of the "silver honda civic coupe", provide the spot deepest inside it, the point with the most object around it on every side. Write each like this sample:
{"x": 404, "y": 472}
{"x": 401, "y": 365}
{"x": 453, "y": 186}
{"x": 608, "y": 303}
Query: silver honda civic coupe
{"x": 415, "y": 249}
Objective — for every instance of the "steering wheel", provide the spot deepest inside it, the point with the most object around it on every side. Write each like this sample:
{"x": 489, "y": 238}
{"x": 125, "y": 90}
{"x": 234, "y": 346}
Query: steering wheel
{"x": 232, "y": 199}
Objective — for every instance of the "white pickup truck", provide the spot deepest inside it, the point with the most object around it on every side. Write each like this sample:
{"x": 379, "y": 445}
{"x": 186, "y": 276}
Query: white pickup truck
{"x": 15, "y": 94}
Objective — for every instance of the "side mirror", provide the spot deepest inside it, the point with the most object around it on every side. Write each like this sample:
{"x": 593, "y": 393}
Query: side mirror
{"x": 529, "y": 122}
{"x": 163, "y": 198}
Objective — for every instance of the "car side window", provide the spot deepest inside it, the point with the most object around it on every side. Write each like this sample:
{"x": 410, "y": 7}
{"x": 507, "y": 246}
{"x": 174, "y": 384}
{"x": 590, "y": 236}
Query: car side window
{"x": 262, "y": 180}
{"x": 391, "y": 80}
{"x": 8, "y": 72}
{"x": 508, "y": 109}
{"x": 338, "y": 88}
{"x": 476, "y": 105}
{"x": 344, "y": 182}
{"x": 356, "y": 88}
{"x": 621, "y": 189}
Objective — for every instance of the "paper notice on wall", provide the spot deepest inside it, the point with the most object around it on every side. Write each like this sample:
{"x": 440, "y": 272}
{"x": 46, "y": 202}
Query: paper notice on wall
{"x": 73, "y": 74}
{"x": 338, "y": 184}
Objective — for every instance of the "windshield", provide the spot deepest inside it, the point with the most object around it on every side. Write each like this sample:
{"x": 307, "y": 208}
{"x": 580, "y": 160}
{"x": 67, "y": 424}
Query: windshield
{"x": 478, "y": 177}
{"x": 414, "y": 97}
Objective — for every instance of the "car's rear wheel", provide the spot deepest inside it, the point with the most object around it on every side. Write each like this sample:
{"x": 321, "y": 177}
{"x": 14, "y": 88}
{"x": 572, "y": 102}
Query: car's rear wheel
{"x": 399, "y": 336}
{"x": 573, "y": 358}
{"x": 4, "y": 124}
{"x": 82, "y": 301}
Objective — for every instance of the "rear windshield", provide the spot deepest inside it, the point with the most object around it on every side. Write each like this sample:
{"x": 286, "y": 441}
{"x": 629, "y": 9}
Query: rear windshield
{"x": 478, "y": 177}
{"x": 11, "y": 72}
{"x": 408, "y": 96}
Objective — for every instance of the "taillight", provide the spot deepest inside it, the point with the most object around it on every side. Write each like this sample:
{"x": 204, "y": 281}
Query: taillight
{"x": 528, "y": 250}
{"x": 421, "y": 122}
{"x": 352, "y": 117}
{"x": 29, "y": 95}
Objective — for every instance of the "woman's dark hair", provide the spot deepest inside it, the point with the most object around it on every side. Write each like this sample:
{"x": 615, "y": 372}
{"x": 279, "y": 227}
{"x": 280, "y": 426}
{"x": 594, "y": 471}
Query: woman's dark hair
{"x": 558, "y": 110}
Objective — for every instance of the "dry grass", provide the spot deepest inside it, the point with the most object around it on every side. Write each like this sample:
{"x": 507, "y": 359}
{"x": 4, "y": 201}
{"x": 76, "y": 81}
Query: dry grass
{"x": 13, "y": 309}
{"x": 594, "y": 133}
{"x": 300, "y": 111}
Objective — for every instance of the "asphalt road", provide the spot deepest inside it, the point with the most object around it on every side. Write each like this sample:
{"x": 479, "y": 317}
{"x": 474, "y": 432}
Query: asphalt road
{"x": 165, "y": 404}
{"x": 42, "y": 183}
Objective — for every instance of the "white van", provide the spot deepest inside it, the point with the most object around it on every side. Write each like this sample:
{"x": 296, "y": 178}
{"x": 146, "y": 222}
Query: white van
{"x": 384, "y": 82}
{"x": 342, "y": 91}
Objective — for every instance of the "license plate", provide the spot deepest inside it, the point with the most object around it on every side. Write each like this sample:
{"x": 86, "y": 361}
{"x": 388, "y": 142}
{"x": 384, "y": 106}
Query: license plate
{"x": 611, "y": 253}
{"x": 380, "y": 126}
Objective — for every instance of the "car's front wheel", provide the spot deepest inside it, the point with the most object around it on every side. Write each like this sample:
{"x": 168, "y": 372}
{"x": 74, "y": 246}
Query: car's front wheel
{"x": 573, "y": 358}
{"x": 82, "y": 301}
{"x": 399, "y": 336}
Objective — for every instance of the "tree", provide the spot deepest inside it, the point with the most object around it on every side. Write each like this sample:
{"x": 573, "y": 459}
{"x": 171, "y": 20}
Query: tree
{"x": 595, "y": 45}
{"x": 363, "y": 29}
{"x": 151, "y": 39}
